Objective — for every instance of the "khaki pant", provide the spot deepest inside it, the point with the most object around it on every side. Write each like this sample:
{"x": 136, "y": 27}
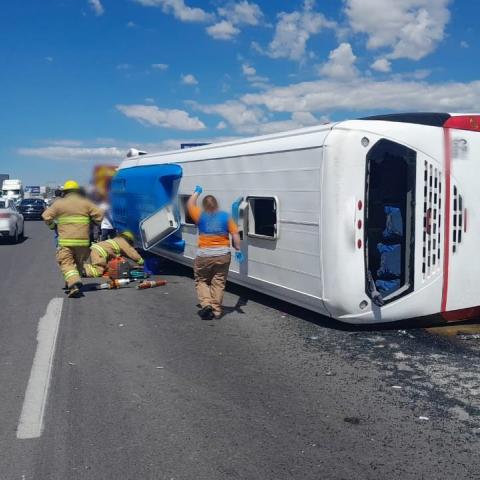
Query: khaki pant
{"x": 70, "y": 260}
{"x": 210, "y": 279}
{"x": 96, "y": 266}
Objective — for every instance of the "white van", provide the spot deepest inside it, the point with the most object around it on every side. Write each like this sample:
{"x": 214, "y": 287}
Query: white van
{"x": 12, "y": 190}
{"x": 369, "y": 220}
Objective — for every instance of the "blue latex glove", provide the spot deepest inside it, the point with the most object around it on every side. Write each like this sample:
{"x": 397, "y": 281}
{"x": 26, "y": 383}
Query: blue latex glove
{"x": 239, "y": 256}
{"x": 198, "y": 189}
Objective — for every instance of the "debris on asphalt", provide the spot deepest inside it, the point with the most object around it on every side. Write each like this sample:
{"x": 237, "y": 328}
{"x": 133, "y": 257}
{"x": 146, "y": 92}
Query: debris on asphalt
{"x": 71, "y": 363}
{"x": 352, "y": 420}
{"x": 398, "y": 387}
{"x": 121, "y": 325}
{"x": 151, "y": 284}
{"x": 329, "y": 374}
{"x": 467, "y": 336}
{"x": 115, "y": 284}
{"x": 313, "y": 338}
{"x": 159, "y": 367}
{"x": 423, "y": 418}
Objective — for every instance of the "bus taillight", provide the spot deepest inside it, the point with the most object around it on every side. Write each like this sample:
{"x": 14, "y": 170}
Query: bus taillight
{"x": 464, "y": 122}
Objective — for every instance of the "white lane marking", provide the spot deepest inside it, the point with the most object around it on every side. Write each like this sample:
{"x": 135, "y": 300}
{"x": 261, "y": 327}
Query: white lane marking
{"x": 31, "y": 423}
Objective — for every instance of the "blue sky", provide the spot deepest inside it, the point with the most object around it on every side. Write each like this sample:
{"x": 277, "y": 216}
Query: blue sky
{"x": 84, "y": 80}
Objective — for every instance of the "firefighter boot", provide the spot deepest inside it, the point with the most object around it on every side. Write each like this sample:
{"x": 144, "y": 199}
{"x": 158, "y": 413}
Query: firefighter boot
{"x": 75, "y": 290}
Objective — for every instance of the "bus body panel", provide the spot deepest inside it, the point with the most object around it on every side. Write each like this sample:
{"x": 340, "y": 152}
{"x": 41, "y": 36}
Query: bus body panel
{"x": 318, "y": 178}
{"x": 463, "y": 287}
{"x": 344, "y": 187}
{"x": 291, "y": 261}
{"x": 286, "y": 167}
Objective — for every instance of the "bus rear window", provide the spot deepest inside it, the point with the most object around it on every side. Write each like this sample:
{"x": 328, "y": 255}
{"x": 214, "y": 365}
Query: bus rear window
{"x": 389, "y": 223}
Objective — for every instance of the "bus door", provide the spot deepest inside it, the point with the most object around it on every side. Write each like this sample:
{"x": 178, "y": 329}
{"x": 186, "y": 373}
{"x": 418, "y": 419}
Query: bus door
{"x": 391, "y": 180}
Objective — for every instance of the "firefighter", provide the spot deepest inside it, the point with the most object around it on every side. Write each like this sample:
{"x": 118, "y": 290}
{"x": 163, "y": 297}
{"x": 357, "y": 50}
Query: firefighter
{"x": 71, "y": 216}
{"x": 102, "y": 252}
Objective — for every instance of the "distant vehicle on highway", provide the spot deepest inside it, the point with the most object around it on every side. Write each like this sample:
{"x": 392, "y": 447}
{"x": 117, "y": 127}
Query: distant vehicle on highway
{"x": 367, "y": 221}
{"x": 32, "y": 208}
{"x": 12, "y": 225}
{"x": 12, "y": 189}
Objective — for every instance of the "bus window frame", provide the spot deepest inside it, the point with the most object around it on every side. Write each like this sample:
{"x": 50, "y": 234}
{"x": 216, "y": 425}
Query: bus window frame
{"x": 250, "y": 216}
{"x": 182, "y": 207}
{"x": 408, "y": 261}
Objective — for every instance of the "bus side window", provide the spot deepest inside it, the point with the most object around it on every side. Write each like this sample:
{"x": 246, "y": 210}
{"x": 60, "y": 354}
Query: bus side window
{"x": 262, "y": 217}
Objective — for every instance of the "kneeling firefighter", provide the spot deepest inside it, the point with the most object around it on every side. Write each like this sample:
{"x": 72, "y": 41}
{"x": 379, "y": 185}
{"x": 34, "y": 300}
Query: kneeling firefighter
{"x": 102, "y": 252}
{"x": 71, "y": 215}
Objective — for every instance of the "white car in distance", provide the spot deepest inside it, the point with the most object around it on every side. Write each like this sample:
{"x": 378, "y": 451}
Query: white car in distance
{"x": 11, "y": 221}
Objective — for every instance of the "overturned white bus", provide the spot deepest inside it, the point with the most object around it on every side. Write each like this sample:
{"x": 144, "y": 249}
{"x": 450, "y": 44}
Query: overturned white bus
{"x": 369, "y": 220}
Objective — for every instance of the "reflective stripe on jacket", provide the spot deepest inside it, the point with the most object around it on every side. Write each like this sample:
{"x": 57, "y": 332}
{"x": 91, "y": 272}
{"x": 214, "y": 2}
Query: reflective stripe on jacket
{"x": 73, "y": 242}
{"x": 73, "y": 220}
{"x": 72, "y": 215}
{"x": 117, "y": 246}
{"x": 100, "y": 250}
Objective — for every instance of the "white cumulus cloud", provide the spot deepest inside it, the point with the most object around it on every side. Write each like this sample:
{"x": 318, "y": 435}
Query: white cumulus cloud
{"x": 179, "y": 10}
{"x": 242, "y": 13}
{"x": 248, "y": 120}
{"x": 409, "y": 28}
{"x": 248, "y": 69}
{"x": 188, "y": 79}
{"x": 232, "y": 16}
{"x": 223, "y": 30}
{"x": 382, "y": 65}
{"x": 341, "y": 63}
{"x": 293, "y": 31}
{"x": 367, "y": 94}
{"x": 166, "y": 118}
{"x": 97, "y": 7}
{"x": 237, "y": 114}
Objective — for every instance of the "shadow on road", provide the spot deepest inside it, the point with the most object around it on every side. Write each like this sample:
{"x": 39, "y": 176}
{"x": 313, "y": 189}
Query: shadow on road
{"x": 246, "y": 294}
{"x": 7, "y": 241}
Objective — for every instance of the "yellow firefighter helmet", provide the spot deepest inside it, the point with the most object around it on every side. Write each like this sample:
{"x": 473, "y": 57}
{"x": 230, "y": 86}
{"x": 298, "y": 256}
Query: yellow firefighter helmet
{"x": 71, "y": 185}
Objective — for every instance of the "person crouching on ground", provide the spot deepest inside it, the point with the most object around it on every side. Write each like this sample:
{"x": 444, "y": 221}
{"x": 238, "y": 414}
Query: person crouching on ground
{"x": 213, "y": 255}
{"x": 102, "y": 252}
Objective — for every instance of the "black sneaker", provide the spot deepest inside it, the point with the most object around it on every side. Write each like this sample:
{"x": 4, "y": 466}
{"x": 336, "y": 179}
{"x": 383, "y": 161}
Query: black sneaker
{"x": 75, "y": 290}
{"x": 206, "y": 313}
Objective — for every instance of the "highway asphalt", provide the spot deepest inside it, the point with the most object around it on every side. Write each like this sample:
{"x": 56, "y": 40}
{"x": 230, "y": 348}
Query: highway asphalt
{"x": 142, "y": 389}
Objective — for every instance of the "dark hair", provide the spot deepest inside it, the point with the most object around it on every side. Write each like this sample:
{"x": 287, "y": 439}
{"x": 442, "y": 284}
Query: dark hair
{"x": 210, "y": 203}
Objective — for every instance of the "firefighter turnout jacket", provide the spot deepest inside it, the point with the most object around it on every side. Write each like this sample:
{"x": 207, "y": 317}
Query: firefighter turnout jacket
{"x": 102, "y": 252}
{"x": 72, "y": 216}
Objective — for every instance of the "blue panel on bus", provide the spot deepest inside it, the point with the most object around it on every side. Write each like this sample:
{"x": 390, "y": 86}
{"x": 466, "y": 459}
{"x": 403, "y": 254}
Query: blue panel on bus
{"x": 138, "y": 192}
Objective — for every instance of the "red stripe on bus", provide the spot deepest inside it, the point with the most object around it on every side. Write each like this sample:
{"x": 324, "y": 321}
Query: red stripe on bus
{"x": 446, "y": 246}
